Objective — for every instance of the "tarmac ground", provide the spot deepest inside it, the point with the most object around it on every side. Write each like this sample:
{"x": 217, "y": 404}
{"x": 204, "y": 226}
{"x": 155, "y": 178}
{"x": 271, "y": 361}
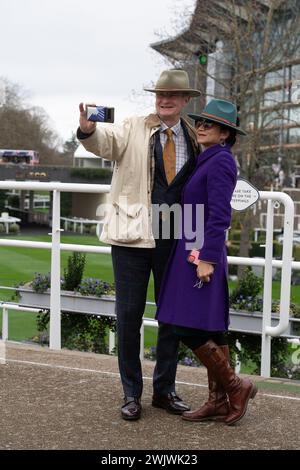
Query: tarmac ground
{"x": 71, "y": 400}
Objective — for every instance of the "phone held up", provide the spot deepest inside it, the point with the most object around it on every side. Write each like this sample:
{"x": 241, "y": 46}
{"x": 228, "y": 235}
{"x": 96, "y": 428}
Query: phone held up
{"x": 100, "y": 114}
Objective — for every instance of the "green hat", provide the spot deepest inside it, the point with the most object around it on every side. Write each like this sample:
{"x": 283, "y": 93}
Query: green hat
{"x": 220, "y": 111}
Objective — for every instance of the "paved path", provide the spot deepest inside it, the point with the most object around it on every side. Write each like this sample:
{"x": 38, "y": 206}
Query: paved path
{"x": 70, "y": 400}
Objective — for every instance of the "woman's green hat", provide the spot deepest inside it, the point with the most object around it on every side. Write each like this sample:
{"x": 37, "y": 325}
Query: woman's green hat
{"x": 220, "y": 111}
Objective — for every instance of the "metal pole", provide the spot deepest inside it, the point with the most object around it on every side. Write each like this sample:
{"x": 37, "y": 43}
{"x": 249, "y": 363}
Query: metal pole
{"x": 55, "y": 324}
{"x": 265, "y": 368}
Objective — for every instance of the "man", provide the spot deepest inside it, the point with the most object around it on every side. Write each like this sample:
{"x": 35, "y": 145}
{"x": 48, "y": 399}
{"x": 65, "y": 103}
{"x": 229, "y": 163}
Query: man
{"x": 152, "y": 163}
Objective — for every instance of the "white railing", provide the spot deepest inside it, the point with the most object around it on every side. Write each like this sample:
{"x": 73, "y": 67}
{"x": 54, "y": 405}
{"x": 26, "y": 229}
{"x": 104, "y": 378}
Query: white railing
{"x": 74, "y": 221}
{"x": 285, "y": 264}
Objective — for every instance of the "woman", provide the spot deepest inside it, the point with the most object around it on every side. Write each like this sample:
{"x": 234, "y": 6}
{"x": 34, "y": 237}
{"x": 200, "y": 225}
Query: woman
{"x": 195, "y": 298}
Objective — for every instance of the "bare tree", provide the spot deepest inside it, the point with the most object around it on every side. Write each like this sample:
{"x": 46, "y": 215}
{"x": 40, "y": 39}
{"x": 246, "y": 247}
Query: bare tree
{"x": 25, "y": 127}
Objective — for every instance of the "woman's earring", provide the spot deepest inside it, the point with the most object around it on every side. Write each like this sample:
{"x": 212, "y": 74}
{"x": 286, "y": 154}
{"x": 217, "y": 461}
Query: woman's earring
{"x": 222, "y": 143}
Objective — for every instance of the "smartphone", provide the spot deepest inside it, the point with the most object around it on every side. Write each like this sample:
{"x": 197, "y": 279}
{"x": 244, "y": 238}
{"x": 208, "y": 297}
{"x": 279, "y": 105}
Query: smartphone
{"x": 193, "y": 257}
{"x": 100, "y": 114}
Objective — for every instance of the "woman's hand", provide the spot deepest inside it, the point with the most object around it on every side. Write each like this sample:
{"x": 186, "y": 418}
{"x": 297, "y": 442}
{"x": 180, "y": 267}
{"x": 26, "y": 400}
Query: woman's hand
{"x": 205, "y": 271}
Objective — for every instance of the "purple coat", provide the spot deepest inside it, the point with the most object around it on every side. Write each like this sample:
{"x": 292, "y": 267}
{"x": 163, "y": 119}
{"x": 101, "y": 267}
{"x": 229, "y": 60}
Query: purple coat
{"x": 211, "y": 184}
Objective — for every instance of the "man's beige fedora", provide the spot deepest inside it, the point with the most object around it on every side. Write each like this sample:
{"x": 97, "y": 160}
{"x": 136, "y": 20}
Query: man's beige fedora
{"x": 174, "y": 80}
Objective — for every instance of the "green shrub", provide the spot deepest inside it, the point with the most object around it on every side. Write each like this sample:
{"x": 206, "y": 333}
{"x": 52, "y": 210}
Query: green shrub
{"x": 295, "y": 278}
{"x": 93, "y": 229}
{"x": 251, "y": 351}
{"x": 256, "y": 250}
{"x": 66, "y": 204}
{"x": 232, "y": 250}
{"x": 74, "y": 271}
{"x": 2, "y": 200}
{"x": 13, "y": 200}
{"x": 14, "y": 228}
{"x": 234, "y": 235}
{"x": 92, "y": 173}
{"x": 2, "y": 228}
{"x": 78, "y": 331}
{"x": 235, "y": 221}
{"x": 277, "y": 250}
{"x": 296, "y": 253}
{"x": 259, "y": 251}
{"x": 245, "y": 295}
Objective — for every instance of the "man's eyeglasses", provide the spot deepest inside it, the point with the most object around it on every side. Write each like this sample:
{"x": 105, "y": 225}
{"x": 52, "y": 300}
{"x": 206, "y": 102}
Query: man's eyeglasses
{"x": 204, "y": 123}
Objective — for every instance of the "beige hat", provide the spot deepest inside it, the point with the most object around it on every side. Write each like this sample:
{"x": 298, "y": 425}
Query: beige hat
{"x": 174, "y": 80}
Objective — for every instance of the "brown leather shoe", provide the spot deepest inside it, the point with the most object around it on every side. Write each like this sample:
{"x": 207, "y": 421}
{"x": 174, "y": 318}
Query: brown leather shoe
{"x": 132, "y": 408}
{"x": 171, "y": 402}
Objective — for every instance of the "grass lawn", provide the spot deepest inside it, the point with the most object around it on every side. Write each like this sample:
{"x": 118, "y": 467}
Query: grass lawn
{"x": 20, "y": 264}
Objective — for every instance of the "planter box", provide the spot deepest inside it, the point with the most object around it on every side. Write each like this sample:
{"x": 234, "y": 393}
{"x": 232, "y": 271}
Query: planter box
{"x": 251, "y": 322}
{"x": 70, "y": 302}
{"x": 243, "y": 321}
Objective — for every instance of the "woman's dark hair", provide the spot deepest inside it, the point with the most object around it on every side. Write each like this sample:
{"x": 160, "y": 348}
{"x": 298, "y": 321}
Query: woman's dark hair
{"x": 231, "y": 139}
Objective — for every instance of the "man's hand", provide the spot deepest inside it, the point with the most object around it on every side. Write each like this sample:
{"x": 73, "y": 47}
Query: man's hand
{"x": 205, "y": 271}
{"x": 87, "y": 127}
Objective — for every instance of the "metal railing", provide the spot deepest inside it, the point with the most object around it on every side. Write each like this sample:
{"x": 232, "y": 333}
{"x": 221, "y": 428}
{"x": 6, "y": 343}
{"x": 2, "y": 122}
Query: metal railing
{"x": 56, "y": 246}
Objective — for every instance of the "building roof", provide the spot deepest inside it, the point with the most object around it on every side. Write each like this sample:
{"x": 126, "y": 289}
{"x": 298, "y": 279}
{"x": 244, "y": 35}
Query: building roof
{"x": 81, "y": 152}
{"x": 204, "y": 30}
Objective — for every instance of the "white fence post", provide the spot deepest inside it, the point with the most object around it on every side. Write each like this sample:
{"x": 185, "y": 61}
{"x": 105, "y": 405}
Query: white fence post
{"x": 5, "y": 324}
{"x": 111, "y": 341}
{"x": 2, "y": 351}
{"x": 4, "y": 335}
{"x": 55, "y": 314}
{"x": 237, "y": 368}
{"x": 267, "y": 296}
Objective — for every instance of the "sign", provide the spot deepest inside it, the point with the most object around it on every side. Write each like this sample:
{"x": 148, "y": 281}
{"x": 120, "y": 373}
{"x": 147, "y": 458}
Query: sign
{"x": 244, "y": 195}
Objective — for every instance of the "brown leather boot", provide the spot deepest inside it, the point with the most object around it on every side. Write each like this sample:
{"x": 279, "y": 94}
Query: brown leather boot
{"x": 217, "y": 406}
{"x": 239, "y": 390}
